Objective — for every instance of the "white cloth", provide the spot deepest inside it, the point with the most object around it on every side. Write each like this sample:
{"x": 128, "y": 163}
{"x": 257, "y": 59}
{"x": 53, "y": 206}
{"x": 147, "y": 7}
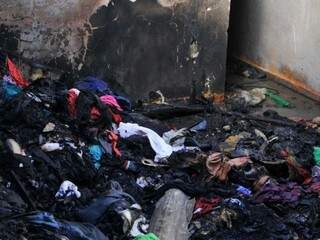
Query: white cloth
{"x": 139, "y": 227}
{"x": 161, "y": 148}
{"x": 49, "y": 127}
{"x": 50, "y": 147}
{"x": 15, "y": 147}
{"x": 142, "y": 182}
{"x": 68, "y": 189}
{"x": 74, "y": 90}
{"x": 179, "y": 135}
{"x": 178, "y": 144}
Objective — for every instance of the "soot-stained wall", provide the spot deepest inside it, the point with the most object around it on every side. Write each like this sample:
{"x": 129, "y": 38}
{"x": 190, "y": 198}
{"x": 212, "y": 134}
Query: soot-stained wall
{"x": 141, "y": 45}
{"x": 146, "y": 45}
{"x": 54, "y": 32}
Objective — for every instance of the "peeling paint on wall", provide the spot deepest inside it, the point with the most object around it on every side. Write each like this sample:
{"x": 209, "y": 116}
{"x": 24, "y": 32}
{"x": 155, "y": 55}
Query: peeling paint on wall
{"x": 51, "y": 30}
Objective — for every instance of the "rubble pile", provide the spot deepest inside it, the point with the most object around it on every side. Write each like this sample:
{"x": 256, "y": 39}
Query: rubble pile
{"x": 81, "y": 162}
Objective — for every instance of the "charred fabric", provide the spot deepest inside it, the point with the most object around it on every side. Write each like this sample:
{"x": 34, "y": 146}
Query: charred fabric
{"x": 83, "y": 162}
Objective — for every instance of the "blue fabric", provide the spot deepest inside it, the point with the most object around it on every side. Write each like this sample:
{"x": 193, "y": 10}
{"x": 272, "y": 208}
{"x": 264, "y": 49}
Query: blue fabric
{"x": 201, "y": 126}
{"x": 72, "y": 230}
{"x": 244, "y": 191}
{"x": 10, "y": 90}
{"x": 101, "y": 87}
{"x": 234, "y": 202}
{"x": 96, "y": 152}
{"x": 93, "y": 84}
{"x": 123, "y": 102}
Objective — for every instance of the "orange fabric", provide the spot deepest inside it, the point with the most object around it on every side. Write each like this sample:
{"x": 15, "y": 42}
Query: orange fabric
{"x": 218, "y": 166}
{"x": 16, "y": 74}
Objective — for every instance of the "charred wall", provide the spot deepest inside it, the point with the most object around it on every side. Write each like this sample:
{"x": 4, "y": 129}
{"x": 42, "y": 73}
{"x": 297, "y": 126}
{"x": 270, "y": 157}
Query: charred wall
{"x": 49, "y": 31}
{"x": 140, "y": 45}
{"x": 145, "y": 45}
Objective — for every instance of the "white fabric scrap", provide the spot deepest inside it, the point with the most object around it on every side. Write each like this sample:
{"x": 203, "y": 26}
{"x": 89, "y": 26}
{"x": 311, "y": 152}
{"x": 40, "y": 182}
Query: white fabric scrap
{"x": 49, "y": 127}
{"x": 179, "y": 135}
{"x": 68, "y": 189}
{"x": 254, "y": 96}
{"x": 75, "y": 91}
{"x": 141, "y": 181}
{"x": 50, "y": 147}
{"x": 140, "y": 227}
{"x": 161, "y": 148}
{"x": 178, "y": 144}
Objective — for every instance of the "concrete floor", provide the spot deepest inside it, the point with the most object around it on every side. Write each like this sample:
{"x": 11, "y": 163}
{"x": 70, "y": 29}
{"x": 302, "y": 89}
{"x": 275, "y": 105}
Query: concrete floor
{"x": 303, "y": 107}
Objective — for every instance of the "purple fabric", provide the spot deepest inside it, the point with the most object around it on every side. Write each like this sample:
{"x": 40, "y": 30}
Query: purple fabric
{"x": 278, "y": 193}
{"x": 9, "y": 79}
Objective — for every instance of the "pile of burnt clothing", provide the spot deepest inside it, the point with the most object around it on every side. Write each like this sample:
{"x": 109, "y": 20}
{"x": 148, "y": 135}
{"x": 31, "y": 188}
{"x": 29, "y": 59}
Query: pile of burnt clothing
{"x": 79, "y": 163}
{"x": 53, "y": 141}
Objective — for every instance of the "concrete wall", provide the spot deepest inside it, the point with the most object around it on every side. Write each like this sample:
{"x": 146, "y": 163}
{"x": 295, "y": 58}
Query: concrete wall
{"x": 142, "y": 45}
{"x": 280, "y": 36}
{"x": 50, "y": 31}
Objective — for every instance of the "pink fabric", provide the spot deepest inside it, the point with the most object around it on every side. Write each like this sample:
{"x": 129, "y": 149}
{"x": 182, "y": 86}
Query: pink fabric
{"x": 110, "y": 101}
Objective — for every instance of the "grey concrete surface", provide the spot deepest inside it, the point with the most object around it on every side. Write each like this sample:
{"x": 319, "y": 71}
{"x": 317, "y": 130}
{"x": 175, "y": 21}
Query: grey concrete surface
{"x": 302, "y": 106}
{"x": 282, "y": 37}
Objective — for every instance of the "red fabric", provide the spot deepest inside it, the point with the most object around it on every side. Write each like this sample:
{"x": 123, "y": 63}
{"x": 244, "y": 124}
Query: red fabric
{"x": 16, "y": 74}
{"x": 115, "y": 117}
{"x": 114, "y": 138}
{"x": 72, "y": 99}
{"x": 204, "y": 206}
{"x": 95, "y": 113}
